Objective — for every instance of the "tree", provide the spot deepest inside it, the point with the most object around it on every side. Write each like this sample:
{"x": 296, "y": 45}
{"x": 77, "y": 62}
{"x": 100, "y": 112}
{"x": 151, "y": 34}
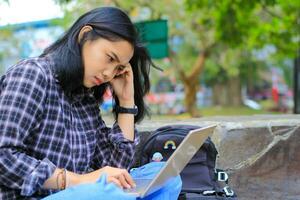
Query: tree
{"x": 157, "y": 9}
{"x": 225, "y": 33}
{"x": 239, "y": 27}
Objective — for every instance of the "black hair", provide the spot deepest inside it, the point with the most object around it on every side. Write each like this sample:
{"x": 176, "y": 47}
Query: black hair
{"x": 112, "y": 24}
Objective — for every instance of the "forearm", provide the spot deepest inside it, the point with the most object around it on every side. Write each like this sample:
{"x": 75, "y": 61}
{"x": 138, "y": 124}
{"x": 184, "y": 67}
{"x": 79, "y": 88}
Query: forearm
{"x": 62, "y": 179}
{"x": 126, "y": 121}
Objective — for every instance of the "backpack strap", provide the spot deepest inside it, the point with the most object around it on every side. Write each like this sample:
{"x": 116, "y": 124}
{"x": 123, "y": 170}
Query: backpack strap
{"x": 225, "y": 192}
{"x": 222, "y": 176}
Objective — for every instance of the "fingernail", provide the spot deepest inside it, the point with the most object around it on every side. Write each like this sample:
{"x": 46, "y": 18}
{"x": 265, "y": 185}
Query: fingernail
{"x": 128, "y": 187}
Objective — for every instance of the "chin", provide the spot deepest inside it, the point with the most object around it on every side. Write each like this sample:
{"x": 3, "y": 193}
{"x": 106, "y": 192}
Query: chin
{"x": 87, "y": 85}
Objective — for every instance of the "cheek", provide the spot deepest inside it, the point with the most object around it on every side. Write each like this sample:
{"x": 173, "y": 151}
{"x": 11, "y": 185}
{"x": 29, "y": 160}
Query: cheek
{"x": 93, "y": 65}
{"x": 94, "y": 61}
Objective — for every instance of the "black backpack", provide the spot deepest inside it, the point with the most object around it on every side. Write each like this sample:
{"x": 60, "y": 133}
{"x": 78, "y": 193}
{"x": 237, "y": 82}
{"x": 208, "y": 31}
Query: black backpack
{"x": 200, "y": 179}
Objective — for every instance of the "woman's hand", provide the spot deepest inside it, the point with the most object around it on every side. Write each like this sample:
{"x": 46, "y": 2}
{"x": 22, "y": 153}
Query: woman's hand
{"x": 115, "y": 175}
{"x": 123, "y": 87}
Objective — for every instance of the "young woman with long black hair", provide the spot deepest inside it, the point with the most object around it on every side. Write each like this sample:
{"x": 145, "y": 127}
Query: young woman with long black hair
{"x": 52, "y": 135}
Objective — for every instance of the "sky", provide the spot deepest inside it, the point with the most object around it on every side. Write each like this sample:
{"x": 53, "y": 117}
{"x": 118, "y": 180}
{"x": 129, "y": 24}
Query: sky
{"x": 19, "y": 11}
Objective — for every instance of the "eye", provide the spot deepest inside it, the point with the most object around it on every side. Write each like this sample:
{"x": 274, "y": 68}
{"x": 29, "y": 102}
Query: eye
{"x": 110, "y": 59}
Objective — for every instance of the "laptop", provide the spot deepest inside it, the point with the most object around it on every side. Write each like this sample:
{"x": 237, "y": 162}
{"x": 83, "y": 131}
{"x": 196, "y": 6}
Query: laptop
{"x": 175, "y": 164}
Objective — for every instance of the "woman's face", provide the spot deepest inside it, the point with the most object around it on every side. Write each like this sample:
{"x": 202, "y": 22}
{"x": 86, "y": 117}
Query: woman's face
{"x": 104, "y": 59}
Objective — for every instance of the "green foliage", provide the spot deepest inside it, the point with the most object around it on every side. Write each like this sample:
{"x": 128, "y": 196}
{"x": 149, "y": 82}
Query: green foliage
{"x": 252, "y": 23}
{"x": 236, "y": 28}
{"x": 187, "y": 55}
{"x": 5, "y": 35}
{"x": 241, "y": 27}
{"x": 4, "y": 1}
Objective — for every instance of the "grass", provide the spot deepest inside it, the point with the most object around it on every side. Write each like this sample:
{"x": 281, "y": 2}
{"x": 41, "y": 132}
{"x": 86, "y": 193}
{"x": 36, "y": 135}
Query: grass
{"x": 223, "y": 111}
{"x": 219, "y": 111}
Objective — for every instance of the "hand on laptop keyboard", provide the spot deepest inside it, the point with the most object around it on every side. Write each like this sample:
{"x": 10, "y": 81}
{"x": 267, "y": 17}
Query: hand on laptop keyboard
{"x": 118, "y": 176}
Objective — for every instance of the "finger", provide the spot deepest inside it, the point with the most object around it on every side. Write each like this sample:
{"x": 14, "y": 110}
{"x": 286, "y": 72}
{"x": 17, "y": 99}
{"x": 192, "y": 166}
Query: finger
{"x": 123, "y": 181}
{"x": 128, "y": 68}
{"x": 119, "y": 74}
{"x": 114, "y": 180}
{"x": 125, "y": 71}
{"x": 128, "y": 65}
{"x": 129, "y": 179}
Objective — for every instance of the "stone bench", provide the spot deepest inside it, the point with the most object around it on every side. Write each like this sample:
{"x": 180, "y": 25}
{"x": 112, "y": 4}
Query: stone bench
{"x": 260, "y": 152}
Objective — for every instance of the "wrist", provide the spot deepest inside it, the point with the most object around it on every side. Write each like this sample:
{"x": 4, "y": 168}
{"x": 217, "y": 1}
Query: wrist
{"x": 127, "y": 104}
{"x": 73, "y": 179}
{"x": 127, "y": 110}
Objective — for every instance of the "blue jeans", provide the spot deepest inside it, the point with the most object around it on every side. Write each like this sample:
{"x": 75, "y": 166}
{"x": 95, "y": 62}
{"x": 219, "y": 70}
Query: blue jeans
{"x": 102, "y": 190}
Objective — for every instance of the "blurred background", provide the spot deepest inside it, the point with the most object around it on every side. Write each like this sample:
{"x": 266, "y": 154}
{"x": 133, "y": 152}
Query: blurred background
{"x": 228, "y": 57}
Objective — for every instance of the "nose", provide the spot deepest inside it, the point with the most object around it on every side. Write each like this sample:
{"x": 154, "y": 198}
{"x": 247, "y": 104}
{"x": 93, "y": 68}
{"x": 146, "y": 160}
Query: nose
{"x": 108, "y": 74}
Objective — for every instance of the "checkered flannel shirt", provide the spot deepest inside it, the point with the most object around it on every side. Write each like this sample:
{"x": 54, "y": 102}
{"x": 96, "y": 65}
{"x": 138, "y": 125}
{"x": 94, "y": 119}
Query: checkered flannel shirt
{"x": 41, "y": 129}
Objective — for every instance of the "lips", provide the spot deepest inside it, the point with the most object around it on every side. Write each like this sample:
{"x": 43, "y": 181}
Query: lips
{"x": 98, "y": 81}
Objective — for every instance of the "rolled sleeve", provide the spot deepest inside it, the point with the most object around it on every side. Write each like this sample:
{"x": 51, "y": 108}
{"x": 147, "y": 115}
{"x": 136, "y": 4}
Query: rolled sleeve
{"x": 22, "y": 95}
{"x": 113, "y": 149}
{"x": 116, "y": 137}
{"x": 42, "y": 171}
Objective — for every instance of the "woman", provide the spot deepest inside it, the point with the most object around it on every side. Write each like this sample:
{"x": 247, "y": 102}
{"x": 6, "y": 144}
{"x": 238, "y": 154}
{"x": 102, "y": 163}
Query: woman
{"x": 51, "y": 134}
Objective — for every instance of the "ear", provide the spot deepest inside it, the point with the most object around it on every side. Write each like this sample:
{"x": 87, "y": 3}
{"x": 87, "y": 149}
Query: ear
{"x": 84, "y": 30}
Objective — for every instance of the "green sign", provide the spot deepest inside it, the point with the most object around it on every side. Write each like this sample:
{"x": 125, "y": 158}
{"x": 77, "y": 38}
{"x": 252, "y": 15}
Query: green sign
{"x": 155, "y": 35}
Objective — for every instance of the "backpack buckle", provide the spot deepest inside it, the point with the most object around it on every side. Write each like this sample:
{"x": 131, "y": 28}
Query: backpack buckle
{"x": 228, "y": 191}
{"x": 222, "y": 176}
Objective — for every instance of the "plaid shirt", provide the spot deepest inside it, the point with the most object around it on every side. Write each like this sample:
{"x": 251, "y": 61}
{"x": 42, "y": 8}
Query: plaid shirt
{"x": 42, "y": 129}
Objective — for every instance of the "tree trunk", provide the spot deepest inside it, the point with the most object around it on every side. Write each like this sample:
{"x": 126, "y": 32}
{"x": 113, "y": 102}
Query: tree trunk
{"x": 190, "y": 99}
{"x": 234, "y": 92}
{"x": 218, "y": 94}
{"x": 228, "y": 93}
{"x": 191, "y": 85}
{"x": 191, "y": 80}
